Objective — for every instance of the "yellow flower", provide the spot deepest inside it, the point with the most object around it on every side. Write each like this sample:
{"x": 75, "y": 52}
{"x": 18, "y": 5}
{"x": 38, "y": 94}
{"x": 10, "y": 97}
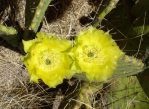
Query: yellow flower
{"x": 47, "y": 59}
{"x": 96, "y": 54}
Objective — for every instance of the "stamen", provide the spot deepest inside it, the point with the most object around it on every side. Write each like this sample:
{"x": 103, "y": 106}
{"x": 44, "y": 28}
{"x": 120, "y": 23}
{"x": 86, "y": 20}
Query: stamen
{"x": 47, "y": 61}
{"x": 90, "y": 54}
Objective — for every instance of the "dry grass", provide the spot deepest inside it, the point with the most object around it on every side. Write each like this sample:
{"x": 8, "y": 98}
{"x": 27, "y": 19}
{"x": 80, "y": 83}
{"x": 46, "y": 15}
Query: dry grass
{"x": 15, "y": 90}
{"x": 67, "y": 23}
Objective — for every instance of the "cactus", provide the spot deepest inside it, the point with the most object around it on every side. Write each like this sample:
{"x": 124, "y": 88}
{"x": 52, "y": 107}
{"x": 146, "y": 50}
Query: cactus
{"x": 32, "y": 22}
{"x": 127, "y": 66}
{"x": 111, "y": 5}
{"x": 126, "y": 93}
{"x": 10, "y": 35}
{"x": 30, "y": 9}
{"x": 144, "y": 76}
{"x": 7, "y": 30}
{"x": 34, "y": 16}
{"x": 39, "y": 14}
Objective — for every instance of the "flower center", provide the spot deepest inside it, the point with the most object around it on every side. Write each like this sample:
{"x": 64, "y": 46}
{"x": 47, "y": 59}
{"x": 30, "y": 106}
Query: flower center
{"x": 47, "y": 61}
{"x": 91, "y": 51}
{"x": 90, "y": 54}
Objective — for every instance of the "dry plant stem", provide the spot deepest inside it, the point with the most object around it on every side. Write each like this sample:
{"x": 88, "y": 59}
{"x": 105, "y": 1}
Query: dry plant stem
{"x": 112, "y": 4}
{"x": 39, "y": 14}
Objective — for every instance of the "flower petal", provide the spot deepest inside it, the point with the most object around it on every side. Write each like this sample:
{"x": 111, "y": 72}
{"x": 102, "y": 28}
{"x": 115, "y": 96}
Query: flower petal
{"x": 96, "y": 53}
{"x": 48, "y": 60}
